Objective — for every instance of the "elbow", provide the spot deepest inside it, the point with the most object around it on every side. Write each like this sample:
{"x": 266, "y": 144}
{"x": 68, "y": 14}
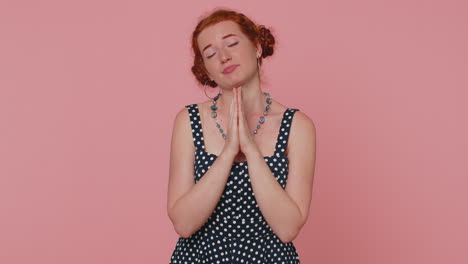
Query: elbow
{"x": 287, "y": 238}
{"x": 289, "y": 235}
{"x": 183, "y": 234}
{"x": 180, "y": 228}
{"x": 183, "y": 230}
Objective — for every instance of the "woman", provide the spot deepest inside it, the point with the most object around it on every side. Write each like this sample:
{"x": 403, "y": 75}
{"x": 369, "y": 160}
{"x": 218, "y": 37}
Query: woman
{"x": 231, "y": 156}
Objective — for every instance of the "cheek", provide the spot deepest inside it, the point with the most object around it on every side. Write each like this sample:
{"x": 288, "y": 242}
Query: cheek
{"x": 209, "y": 67}
{"x": 245, "y": 58}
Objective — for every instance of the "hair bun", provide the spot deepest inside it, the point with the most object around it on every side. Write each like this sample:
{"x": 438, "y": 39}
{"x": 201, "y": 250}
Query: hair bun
{"x": 267, "y": 41}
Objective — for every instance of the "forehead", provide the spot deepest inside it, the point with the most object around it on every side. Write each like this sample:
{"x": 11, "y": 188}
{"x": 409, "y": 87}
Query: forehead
{"x": 217, "y": 31}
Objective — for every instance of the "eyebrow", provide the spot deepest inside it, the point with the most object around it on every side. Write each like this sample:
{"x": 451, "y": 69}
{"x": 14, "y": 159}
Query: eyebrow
{"x": 209, "y": 45}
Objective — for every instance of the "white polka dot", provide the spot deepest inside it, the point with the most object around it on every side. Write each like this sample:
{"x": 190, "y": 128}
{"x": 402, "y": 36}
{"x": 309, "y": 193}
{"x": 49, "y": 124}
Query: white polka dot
{"x": 236, "y": 230}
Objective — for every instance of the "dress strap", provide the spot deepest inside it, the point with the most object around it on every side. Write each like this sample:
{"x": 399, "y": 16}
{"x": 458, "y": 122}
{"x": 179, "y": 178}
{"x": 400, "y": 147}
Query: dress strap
{"x": 283, "y": 134}
{"x": 195, "y": 123}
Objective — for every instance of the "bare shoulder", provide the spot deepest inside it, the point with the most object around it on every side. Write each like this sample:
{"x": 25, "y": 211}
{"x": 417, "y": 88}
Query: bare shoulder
{"x": 300, "y": 121}
{"x": 181, "y": 118}
{"x": 204, "y": 105}
{"x": 303, "y": 123}
{"x": 181, "y": 132}
{"x": 302, "y": 134}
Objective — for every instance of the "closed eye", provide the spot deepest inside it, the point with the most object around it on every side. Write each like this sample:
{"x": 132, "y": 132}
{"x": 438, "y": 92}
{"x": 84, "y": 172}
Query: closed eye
{"x": 228, "y": 46}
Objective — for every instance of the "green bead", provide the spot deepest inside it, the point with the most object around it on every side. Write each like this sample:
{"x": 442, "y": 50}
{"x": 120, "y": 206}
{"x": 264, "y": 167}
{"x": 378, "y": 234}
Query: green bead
{"x": 214, "y": 107}
{"x": 258, "y": 126}
{"x": 221, "y": 130}
{"x": 267, "y": 107}
{"x": 218, "y": 125}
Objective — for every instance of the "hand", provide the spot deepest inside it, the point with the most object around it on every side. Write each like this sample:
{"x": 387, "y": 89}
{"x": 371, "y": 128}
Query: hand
{"x": 246, "y": 140}
{"x": 232, "y": 141}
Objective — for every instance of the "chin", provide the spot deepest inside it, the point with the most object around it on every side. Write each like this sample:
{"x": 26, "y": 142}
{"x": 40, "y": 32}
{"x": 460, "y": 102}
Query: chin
{"x": 236, "y": 82}
{"x": 232, "y": 85}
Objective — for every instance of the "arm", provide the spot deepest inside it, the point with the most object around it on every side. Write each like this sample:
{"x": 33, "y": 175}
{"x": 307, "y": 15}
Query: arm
{"x": 286, "y": 210}
{"x": 189, "y": 205}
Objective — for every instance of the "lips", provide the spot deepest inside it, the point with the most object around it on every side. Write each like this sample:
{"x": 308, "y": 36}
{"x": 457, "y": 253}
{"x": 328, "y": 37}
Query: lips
{"x": 230, "y": 69}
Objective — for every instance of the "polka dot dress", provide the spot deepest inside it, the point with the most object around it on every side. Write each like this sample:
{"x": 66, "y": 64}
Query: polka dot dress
{"x": 236, "y": 231}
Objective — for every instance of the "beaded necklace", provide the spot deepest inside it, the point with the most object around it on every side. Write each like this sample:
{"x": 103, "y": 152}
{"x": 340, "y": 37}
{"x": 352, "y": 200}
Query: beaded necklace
{"x": 261, "y": 120}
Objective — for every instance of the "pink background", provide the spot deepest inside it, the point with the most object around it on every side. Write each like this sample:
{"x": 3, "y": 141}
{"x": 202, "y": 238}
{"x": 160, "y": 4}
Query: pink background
{"x": 89, "y": 90}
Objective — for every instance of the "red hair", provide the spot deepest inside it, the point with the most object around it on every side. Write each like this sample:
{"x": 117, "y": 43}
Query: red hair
{"x": 257, "y": 34}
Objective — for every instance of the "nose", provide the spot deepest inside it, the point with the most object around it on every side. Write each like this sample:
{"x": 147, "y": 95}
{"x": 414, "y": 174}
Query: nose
{"x": 224, "y": 56}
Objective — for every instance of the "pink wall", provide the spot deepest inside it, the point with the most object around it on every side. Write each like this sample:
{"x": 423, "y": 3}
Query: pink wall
{"x": 89, "y": 90}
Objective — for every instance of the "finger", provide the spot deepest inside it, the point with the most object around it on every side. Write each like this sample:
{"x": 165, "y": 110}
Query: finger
{"x": 239, "y": 101}
{"x": 237, "y": 104}
{"x": 235, "y": 100}
{"x": 234, "y": 113}
{"x": 231, "y": 110}
{"x": 241, "y": 110}
{"x": 242, "y": 119}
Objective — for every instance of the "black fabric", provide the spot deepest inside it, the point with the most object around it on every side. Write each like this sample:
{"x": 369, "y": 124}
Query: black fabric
{"x": 236, "y": 231}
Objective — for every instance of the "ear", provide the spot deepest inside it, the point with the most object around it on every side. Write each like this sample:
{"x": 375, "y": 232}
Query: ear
{"x": 259, "y": 50}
